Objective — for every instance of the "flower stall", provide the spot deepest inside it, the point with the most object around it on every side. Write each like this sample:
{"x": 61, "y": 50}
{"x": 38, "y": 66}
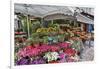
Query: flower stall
{"x": 47, "y": 37}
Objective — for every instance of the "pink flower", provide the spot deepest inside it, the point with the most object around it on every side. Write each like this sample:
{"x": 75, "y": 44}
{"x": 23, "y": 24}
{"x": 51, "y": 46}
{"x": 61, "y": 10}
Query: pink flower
{"x": 31, "y": 51}
{"x": 69, "y": 59}
{"x": 62, "y": 55}
{"x": 54, "y": 48}
{"x": 64, "y": 44}
{"x": 34, "y": 52}
{"x": 28, "y": 51}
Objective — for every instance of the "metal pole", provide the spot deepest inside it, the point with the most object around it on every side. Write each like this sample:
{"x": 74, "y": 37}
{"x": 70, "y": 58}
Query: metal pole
{"x": 75, "y": 20}
{"x": 28, "y": 27}
{"x": 52, "y": 21}
{"x": 42, "y": 21}
{"x": 28, "y": 30}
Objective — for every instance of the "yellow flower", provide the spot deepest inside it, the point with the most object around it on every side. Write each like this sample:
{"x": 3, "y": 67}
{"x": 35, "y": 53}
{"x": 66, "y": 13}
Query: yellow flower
{"x": 50, "y": 29}
{"x": 45, "y": 30}
{"x": 38, "y": 30}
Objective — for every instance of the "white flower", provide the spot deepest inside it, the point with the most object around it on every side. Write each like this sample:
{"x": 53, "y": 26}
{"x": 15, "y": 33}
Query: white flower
{"x": 51, "y": 56}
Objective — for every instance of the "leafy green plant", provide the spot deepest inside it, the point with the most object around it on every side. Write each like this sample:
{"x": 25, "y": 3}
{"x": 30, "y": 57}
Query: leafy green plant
{"x": 35, "y": 26}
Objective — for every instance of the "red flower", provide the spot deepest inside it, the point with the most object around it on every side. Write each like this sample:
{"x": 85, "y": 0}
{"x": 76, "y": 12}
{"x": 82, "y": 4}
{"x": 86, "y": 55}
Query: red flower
{"x": 54, "y": 48}
{"x": 70, "y": 52}
{"x": 16, "y": 33}
{"x": 29, "y": 47}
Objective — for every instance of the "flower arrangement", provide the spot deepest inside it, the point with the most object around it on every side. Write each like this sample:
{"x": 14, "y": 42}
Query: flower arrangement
{"x": 50, "y": 56}
{"x": 31, "y": 51}
{"x": 50, "y": 29}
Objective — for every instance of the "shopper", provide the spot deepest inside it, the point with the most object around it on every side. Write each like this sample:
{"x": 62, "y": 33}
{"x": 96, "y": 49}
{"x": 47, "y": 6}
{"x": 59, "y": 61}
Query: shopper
{"x": 90, "y": 40}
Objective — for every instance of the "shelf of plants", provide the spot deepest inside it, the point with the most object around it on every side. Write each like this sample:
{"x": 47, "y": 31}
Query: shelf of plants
{"x": 47, "y": 45}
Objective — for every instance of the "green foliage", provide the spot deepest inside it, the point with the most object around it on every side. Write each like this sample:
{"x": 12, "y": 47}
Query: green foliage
{"x": 35, "y": 26}
{"x": 32, "y": 26}
{"x": 45, "y": 39}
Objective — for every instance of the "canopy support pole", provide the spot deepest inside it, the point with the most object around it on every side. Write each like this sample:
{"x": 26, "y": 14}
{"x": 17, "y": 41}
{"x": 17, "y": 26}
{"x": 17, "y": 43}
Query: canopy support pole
{"x": 28, "y": 30}
{"x": 28, "y": 27}
{"x": 42, "y": 21}
{"x": 52, "y": 21}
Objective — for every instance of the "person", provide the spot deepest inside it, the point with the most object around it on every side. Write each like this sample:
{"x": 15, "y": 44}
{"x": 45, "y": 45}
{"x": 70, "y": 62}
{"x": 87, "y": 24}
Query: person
{"x": 88, "y": 51}
{"x": 87, "y": 54}
{"x": 90, "y": 40}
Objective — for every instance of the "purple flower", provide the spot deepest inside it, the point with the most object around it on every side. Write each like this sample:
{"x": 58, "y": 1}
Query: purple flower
{"x": 23, "y": 61}
{"x": 39, "y": 61}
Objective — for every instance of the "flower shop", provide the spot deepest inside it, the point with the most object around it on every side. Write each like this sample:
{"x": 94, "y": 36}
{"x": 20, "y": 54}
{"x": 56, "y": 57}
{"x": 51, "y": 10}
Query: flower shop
{"x": 45, "y": 34}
